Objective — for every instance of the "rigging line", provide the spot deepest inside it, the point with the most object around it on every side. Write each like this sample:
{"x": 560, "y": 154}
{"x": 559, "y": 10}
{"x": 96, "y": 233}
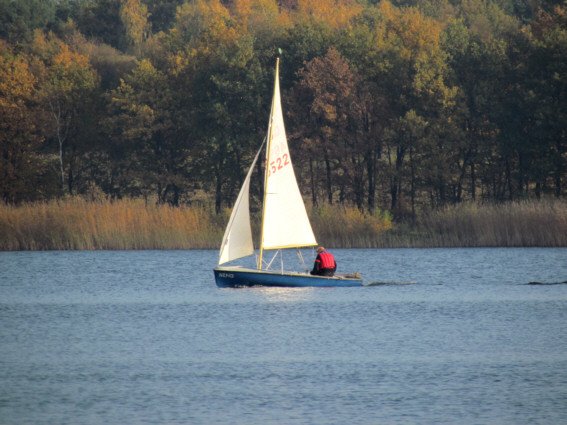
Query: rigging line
{"x": 301, "y": 259}
{"x": 272, "y": 260}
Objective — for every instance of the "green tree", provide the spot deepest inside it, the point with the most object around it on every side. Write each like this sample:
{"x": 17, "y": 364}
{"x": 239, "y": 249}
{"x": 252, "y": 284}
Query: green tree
{"x": 149, "y": 152}
{"x": 19, "y": 18}
{"x": 68, "y": 89}
{"x": 100, "y": 20}
{"x": 162, "y": 14}
{"x": 547, "y": 88}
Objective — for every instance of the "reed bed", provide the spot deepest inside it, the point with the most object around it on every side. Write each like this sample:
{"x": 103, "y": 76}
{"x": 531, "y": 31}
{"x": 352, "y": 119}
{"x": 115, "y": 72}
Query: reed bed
{"x": 348, "y": 227}
{"x": 527, "y": 223}
{"x": 77, "y": 224}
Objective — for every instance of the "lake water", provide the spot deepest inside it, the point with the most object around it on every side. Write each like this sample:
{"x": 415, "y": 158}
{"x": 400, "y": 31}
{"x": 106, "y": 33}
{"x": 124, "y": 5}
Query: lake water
{"x": 145, "y": 337}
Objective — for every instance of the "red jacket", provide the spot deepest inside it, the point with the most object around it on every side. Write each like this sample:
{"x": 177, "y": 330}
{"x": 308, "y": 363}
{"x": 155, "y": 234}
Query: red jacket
{"x": 325, "y": 260}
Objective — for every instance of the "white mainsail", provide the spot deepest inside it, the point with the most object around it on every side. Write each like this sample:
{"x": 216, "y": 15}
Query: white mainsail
{"x": 285, "y": 221}
{"x": 237, "y": 240}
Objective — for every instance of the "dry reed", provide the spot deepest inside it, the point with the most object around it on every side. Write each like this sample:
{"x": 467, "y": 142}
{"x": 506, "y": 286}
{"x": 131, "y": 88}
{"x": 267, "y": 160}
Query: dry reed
{"x": 348, "y": 227}
{"x": 512, "y": 224}
{"x": 125, "y": 224}
{"x": 134, "y": 224}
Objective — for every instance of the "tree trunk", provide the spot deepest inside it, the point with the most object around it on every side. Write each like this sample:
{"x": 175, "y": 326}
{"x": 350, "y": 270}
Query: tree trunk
{"x": 412, "y": 183}
{"x": 396, "y": 185}
{"x": 70, "y": 180}
{"x": 219, "y": 173}
{"x": 329, "y": 179}
{"x": 371, "y": 157}
{"x": 358, "y": 184}
{"x": 56, "y": 112}
{"x": 218, "y": 191}
{"x": 559, "y": 168}
{"x": 473, "y": 181}
{"x": 313, "y": 185}
{"x": 509, "y": 180}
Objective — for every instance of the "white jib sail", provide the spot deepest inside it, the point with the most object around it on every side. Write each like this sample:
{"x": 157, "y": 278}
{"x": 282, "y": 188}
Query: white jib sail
{"x": 285, "y": 223}
{"x": 237, "y": 240}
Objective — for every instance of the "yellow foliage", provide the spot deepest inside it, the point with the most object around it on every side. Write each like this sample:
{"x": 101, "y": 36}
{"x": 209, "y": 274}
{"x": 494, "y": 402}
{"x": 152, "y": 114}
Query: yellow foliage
{"x": 177, "y": 62}
{"x": 204, "y": 19}
{"x": 134, "y": 16}
{"x": 259, "y": 15}
{"x": 416, "y": 32}
{"x": 335, "y": 13}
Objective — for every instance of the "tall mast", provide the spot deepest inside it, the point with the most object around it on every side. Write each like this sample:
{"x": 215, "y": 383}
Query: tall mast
{"x": 266, "y": 169}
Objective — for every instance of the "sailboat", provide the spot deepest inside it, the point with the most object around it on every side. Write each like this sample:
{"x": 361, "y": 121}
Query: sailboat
{"x": 285, "y": 224}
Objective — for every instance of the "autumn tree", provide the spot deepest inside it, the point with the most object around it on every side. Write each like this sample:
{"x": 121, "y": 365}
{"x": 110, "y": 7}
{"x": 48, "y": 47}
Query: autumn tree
{"x": 415, "y": 73}
{"x": 224, "y": 84}
{"x": 402, "y": 104}
{"x": 314, "y": 28}
{"x": 328, "y": 99}
{"x": 21, "y": 164}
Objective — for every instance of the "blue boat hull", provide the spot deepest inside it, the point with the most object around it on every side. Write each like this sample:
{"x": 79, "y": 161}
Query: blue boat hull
{"x": 236, "y": 277}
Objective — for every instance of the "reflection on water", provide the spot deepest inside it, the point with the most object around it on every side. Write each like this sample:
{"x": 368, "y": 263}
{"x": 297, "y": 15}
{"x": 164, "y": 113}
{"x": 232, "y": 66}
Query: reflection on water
{"x": 147, "y": 337}
{"x": 285, "y": 295}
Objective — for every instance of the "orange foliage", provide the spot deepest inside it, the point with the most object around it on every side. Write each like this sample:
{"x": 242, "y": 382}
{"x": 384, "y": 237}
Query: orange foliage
{"x": 67, "y": 58}
{"x": 335, "y": 13}
{"x": 54, "y": 51}
{"x": 258, "y": 15}
{"x": 16, "y": 79}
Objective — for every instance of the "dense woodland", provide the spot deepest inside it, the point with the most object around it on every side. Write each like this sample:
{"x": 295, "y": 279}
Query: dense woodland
{"x": 393, "y": 105}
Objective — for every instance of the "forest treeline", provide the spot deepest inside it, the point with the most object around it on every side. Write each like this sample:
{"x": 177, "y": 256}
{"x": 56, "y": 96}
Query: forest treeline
{"x": 393, "y": 105}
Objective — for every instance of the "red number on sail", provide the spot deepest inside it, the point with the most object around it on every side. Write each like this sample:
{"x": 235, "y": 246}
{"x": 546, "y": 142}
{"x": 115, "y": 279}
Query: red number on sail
{"x": 278, "y": 164}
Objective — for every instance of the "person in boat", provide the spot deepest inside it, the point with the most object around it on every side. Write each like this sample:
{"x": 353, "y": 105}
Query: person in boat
{"x": 325, "y": 264}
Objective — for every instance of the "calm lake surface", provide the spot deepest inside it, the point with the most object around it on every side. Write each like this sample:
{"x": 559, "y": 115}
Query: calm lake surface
{"x": 145, "y": 337}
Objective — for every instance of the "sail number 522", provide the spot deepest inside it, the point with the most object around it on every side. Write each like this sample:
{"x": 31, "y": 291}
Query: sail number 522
{"x": 278, "y": 163}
